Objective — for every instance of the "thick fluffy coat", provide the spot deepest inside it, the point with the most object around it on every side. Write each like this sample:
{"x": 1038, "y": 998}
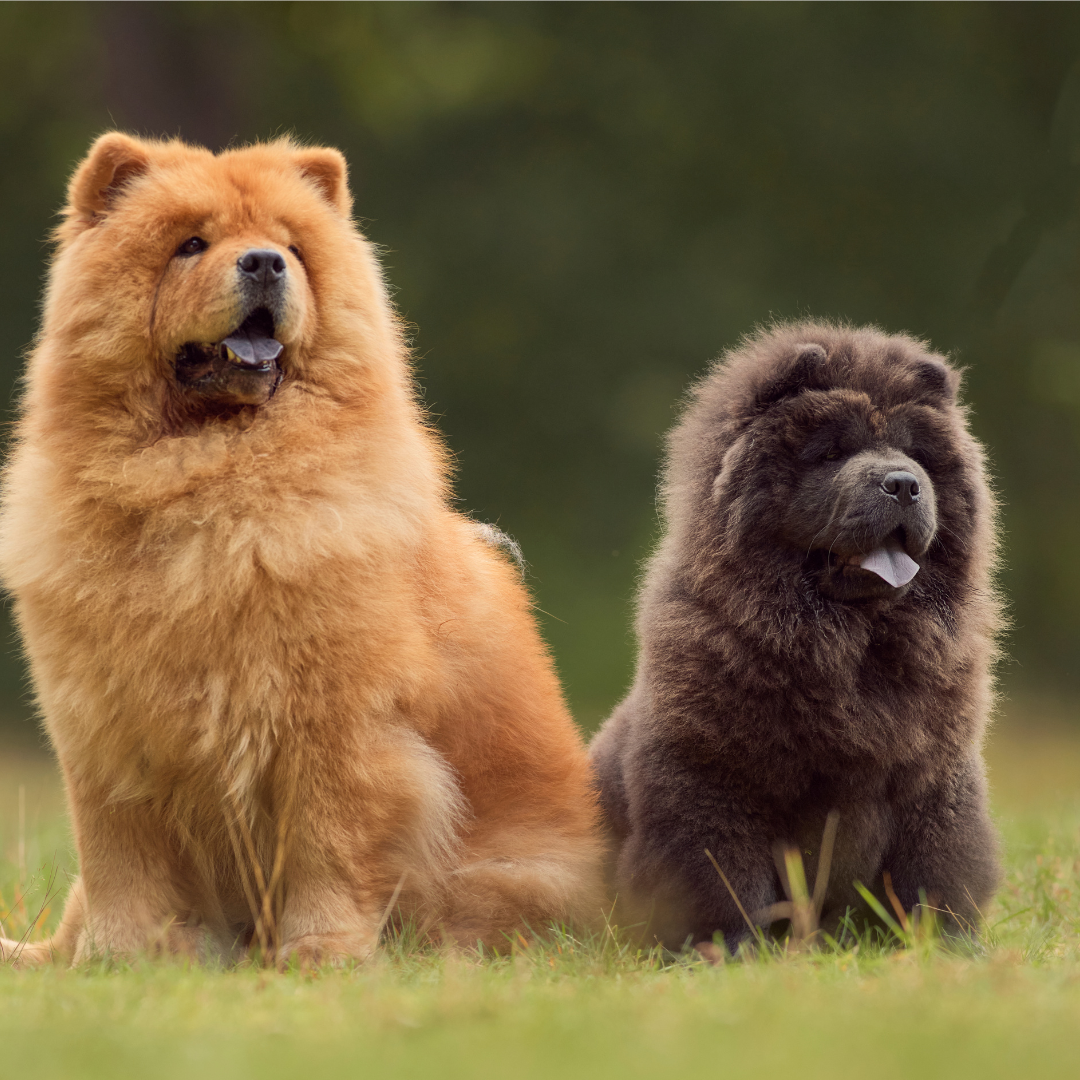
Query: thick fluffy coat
{"x": 286, "y": 684}
{"x": 790, "y": 663}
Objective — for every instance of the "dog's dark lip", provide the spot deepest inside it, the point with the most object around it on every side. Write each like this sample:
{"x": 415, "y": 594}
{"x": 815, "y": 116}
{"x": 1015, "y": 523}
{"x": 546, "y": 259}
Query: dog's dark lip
{"x": 849, "y": 568}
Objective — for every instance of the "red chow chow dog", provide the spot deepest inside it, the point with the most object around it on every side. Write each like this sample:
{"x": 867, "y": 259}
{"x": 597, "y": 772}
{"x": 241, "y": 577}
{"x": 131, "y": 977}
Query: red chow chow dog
{"x": 290, "y": 690}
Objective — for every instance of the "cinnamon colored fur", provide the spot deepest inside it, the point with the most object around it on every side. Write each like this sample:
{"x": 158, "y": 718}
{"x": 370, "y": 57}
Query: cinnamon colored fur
{"x": 777, "y": 679}
{"x": 284, "y": 681}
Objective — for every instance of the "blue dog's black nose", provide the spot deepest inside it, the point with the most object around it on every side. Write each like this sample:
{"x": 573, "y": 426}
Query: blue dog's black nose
{"x": 262, "y": 265}
{"x": 901, "y": 486}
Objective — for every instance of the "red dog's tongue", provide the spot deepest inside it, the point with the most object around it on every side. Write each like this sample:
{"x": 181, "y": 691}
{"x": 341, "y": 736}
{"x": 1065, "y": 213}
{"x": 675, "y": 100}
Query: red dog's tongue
{"x": 891, "y": 564}
{"x": 252, "y": 349}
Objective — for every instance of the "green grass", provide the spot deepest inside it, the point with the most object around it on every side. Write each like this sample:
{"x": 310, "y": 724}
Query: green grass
{"x": 1008, "y": 1008}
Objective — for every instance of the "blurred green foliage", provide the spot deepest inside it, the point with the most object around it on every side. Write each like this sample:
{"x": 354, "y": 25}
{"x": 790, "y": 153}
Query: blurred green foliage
{"x": 582, "y": 204}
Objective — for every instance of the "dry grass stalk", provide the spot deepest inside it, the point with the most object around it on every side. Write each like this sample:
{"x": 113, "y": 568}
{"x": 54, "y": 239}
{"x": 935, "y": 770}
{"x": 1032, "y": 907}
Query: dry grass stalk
{"x": 901, "y": 914}
{"x": 738, "y": 903}
{"x": 265, "y": 897}
{"x": 801, "y": 909}
{"x": 388, "y": 910}
{"x": 31, "y": 925}
{"x": 242, "y": 872}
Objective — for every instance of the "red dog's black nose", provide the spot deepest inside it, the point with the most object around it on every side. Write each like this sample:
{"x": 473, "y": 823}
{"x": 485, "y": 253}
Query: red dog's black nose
{"x": 262, "y": 265}
{"x": 901, "y": 486}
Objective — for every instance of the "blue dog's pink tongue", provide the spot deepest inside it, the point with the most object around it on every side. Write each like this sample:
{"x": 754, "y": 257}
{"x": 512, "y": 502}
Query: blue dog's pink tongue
{"x": 892, "y": 565}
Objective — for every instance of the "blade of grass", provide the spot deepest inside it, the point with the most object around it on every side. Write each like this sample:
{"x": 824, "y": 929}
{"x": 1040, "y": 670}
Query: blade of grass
{"x": 879, "y": 910}
{"x": 824, "y": 866}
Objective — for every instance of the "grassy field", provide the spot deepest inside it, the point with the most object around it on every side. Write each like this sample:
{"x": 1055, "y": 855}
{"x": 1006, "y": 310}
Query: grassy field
{"x": 596, "y": 1009}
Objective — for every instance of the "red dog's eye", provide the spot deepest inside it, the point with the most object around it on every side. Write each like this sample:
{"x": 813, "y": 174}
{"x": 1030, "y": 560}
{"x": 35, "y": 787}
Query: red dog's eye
{"x": 193, "y": 246}
{"x": 296, "y": 251}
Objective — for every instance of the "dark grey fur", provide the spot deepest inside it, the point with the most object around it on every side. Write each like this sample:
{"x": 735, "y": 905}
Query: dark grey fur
{"x": 776, "y": 679}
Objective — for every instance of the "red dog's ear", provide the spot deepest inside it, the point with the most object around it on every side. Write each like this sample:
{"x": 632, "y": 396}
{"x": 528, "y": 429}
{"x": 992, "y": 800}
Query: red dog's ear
{"x": 326, "y": 168}
{"x": 113, "y": 161}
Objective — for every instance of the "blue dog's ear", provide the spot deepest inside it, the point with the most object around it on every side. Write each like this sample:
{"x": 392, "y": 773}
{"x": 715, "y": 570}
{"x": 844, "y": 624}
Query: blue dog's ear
{"x": 937, "y": 380}
{"x": 804, "y": 372}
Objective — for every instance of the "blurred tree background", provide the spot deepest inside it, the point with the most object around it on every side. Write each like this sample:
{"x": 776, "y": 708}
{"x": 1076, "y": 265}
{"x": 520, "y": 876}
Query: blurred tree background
{"x": 582, "y": 204}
